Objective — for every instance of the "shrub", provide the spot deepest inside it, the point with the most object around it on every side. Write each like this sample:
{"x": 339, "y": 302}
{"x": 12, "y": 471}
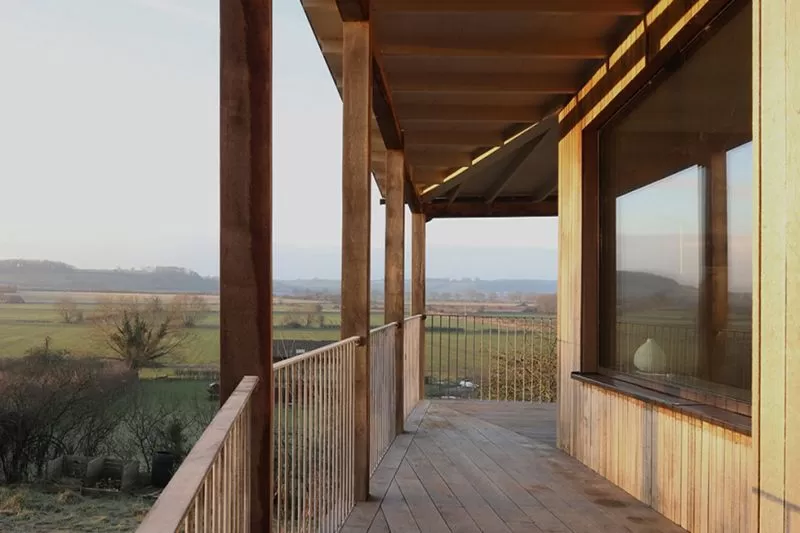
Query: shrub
{"x": 53, "y": 404}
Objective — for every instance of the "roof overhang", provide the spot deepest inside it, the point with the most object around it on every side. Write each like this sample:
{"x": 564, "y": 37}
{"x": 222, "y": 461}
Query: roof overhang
{"x": 469, "y": 90}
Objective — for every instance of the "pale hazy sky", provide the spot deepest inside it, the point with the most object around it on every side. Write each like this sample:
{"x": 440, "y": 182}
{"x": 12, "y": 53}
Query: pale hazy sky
{"x": 109, "y": 141}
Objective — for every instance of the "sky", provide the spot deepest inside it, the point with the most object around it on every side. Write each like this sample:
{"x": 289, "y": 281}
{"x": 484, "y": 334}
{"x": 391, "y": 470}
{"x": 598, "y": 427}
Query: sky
{"x": 109, "y": 136}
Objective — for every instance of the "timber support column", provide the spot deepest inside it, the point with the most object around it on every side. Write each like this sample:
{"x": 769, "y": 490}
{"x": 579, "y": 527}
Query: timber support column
{"x": 418, "y": 288}
{"x": 357, "y": 108}
{"x": 394, "y": 289}
{"x": 246, "y": 228}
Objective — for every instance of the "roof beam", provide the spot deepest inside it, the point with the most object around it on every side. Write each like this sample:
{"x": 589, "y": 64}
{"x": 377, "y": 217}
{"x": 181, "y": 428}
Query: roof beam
{"x": 589, "y": 7}
{"x": 474, "y": 83}
{"x": 501, "y": 46}
{"x": 438, "y": 159}
{"x": 382, "y": 108}
{"x": 489, "y": 158}
{"x": 504, "y": 114}
{"x": 511, "y": 168}
{"x": 452, "y": 195}
{"x": 352, "y": 10}
{"x": 523, "y": 207}
{"x": 452, "y": 138}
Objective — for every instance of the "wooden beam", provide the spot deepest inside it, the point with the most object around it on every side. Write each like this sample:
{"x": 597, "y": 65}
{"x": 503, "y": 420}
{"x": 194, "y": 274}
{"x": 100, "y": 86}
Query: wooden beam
{"x": 503, "y": 114}
{"x": 455, "y": 138}
{"x": 394, "y": 279}
{"x": 480, "y": 209}
{"x": 513, "y": 144}
{"x": 439, "y": 159}
{"x": 526, "y": 47}
{"x": 575, "y": 7}
{"x": 418, "y": 287}
{"x": 481, "y": 83}
{"x": 246, "y": 229}
{"x": 504, "y": 176}
{"x": 499, "y": 46}
{"x": 355, "y": 310}
{"x": 453, "y": 194}
{"x": 350, "y": 10}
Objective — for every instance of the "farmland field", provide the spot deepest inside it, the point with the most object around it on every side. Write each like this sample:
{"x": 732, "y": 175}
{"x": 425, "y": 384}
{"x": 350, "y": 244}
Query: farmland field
{"x": 23, "y": 326}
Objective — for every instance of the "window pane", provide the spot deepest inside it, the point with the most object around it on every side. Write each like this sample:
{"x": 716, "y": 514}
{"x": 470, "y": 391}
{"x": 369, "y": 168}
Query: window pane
{"x": 676, "y": 219}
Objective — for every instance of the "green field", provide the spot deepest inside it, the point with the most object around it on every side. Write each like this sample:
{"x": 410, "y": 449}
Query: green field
{"x": 25, "y": 325}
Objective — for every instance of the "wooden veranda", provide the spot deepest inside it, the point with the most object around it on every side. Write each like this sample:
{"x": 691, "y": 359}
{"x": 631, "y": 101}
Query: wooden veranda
{"x": 471, "y": 108}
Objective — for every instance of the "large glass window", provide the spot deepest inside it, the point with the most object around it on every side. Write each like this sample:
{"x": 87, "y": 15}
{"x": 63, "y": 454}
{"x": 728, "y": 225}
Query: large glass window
{"x": 676, "y": 225}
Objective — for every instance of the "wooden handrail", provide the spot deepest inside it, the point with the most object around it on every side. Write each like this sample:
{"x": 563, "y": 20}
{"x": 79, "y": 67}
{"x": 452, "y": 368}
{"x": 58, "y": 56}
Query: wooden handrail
{"x": 180, "y": 496}
{"x": 381, "y": 328}
{"x": 289, "y": 361}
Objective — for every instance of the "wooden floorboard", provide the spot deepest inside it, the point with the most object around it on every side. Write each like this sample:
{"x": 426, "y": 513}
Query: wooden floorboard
{"x": 473, "y": 466}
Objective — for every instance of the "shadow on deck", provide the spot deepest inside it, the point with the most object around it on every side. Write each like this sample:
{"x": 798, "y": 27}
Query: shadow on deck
{"x": 470, "y": 466}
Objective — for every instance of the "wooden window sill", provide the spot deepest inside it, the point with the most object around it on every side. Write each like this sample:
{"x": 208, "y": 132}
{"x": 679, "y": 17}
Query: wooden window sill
{"x": 714, "y": 415}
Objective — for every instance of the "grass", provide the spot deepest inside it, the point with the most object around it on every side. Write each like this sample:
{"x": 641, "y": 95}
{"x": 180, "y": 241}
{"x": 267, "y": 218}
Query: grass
{"x": 30, "y": 509}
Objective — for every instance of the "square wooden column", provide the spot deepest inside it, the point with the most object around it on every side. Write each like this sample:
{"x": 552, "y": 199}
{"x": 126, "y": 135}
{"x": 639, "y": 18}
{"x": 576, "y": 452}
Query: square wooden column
{"x": 357, "y": 100}
{"x": 418, "y": 288}
{"x": 246, "y": 227}
{"x": 394, "y": 289}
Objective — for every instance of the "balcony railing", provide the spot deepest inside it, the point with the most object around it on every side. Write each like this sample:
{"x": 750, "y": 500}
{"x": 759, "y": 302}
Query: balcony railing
{"x": 508, "y": 358}
{"x": 382, "y": 393}
{"x": 412, "y": 331}
{"x": 314, "y": 424}
{"x": 210, "y": 491}
{"x": 313, "y": 446}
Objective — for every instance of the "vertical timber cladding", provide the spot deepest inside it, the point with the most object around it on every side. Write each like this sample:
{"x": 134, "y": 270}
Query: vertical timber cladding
{"x": 696, "y": 473}
{"x": 776, "y": 372}
{"x": 246, "y": 227}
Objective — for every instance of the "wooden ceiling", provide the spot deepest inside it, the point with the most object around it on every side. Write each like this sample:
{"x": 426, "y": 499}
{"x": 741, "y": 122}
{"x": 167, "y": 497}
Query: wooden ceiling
{"x": 461, "y": 77}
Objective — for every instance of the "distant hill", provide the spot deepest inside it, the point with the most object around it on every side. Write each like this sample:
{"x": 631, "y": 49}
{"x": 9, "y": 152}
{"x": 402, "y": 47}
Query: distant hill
{"x": 57, "y": 276}
{"x": 53, "y": 275}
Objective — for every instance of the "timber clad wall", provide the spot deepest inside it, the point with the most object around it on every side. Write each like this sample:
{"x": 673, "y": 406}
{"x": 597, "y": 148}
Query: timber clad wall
{"x": 695, "y": 473}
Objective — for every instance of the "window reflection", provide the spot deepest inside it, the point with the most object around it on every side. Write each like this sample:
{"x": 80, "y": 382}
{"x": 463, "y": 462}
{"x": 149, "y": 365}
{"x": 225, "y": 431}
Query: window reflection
{"x": 676, "y": 222}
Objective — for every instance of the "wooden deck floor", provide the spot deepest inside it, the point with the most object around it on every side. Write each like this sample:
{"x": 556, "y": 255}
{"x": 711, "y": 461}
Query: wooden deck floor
{"x": 465, "y": 466}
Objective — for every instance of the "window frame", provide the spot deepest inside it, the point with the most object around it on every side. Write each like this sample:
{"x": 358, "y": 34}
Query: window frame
{"x": 594, "y": 282}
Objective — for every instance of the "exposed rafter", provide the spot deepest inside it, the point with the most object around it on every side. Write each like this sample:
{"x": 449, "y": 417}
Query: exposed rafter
{"x": 438, "y": 159}
{"x": 441, "y": 46}
{"x": 359, "y": 10}
{"x": 518, "y": 142}
{"x": 452, "y": 195}
{"x": 452, "y": 137}
{"x": 350, "y": 10}
{"x": 607, "y": 7}
{"x": 519, "y": 207}
{"x": 510, "y": 169}
{"x": 497, "y": 83}
{"x": 503, "y": 114}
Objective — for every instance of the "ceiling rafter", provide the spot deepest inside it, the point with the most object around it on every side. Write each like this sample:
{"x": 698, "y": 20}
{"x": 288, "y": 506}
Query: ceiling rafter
{"x": 430, "y": 82}
{"x": 516, "y": 207}
{"x": 607, "y": 7}
{"x": 502, "y": 46}
{"x": 489, "y": 158}
{"x": 503, "y": 114}
{"x": 511, "y": 168}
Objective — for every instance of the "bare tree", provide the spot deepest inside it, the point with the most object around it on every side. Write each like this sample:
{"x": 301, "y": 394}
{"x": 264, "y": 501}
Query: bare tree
{"x": 68, "y": 310}
{"x": 53, "y": 404}
{"x": 188, "y": 310}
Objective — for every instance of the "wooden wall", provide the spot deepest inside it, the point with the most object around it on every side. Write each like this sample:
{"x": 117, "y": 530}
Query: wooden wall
{"x": 776, "y": 316}
{"x": 695, "y": 473}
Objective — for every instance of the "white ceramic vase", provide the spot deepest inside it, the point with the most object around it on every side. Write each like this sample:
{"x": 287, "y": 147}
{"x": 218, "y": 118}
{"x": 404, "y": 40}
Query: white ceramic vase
{"x": 650, "y": 358}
